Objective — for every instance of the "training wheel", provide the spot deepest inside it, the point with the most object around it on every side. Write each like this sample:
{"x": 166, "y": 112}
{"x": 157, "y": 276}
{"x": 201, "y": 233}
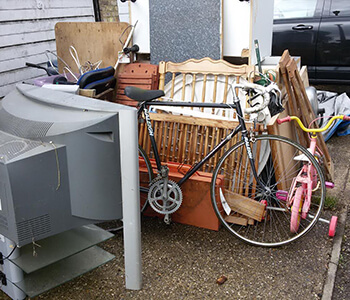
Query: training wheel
{"x": 332, "y": 226}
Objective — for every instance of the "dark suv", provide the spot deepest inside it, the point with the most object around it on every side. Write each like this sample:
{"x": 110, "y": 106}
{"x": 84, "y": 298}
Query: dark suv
{"x": 319, "y": 32}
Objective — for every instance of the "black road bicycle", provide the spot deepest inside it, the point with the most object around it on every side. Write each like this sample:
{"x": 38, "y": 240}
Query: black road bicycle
{"x": 251, "y": 181}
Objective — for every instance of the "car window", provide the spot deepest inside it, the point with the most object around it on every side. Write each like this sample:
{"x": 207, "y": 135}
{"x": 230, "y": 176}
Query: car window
{"x": 287, "y": 9}
{"x": 340, "y": 7}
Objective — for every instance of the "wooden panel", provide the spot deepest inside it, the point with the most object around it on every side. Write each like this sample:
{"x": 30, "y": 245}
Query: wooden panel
{"x": 299, "y": 105}
{"x": 32, "y": 32}
{"x": 20, "y": 62}
{"x": 15, "y": 76}
{"x": 93, "y": 42}
{"x": 24, "y": 14}
{"x": 245, "y": 206}
{"x": 23, "y": 51}
{"x": 45, "y": 4}
{"x": 37, "y": 25}
{"x": 27, "y": 31}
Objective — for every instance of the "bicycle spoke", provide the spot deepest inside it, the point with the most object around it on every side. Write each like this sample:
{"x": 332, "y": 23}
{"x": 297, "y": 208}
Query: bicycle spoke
{"x": 275, "y": 175}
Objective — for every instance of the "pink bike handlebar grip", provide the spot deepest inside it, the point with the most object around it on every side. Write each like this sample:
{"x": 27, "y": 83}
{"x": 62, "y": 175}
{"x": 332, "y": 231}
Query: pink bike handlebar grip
{"x": 286, "y": 119}
{"x": 329, "y": 185}
{"x": 346, "y": 118}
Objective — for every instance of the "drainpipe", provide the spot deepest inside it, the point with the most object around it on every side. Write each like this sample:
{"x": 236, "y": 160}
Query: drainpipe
{"x": 97, "y": 10}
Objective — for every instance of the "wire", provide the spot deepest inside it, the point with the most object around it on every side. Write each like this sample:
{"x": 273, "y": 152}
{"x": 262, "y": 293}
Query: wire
{"x": 73, "y": 52}
{"x": 58, "y": 166}
{"x": 59, "y": 58}
{"x": 70, "y": 72}
{"x": 8, "y": 256}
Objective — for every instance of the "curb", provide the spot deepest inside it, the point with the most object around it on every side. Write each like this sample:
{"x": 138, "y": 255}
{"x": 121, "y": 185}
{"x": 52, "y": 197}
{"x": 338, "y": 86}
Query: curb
{"x": 335, "y": 255}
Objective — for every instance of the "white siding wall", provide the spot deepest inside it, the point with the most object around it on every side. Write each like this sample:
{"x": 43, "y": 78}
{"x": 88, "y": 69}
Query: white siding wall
{"x": 27, "y": 31}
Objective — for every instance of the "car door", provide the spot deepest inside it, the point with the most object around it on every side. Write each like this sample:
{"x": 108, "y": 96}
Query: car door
{"x": 333, "y": 47}
{"x": 296, "y": 25}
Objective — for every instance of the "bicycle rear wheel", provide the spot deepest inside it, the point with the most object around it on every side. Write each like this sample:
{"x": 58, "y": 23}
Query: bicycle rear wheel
{"x": 236, "y": 193}
{"x": 146, "y": 175}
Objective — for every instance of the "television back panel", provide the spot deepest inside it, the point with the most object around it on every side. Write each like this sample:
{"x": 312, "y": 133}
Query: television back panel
{"x": 59, "y": 163}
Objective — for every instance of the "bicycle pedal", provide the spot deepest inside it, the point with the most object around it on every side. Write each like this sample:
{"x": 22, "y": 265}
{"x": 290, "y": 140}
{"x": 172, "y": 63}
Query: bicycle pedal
{"x": 282, "y": 195}
{"x": 329, "y": 185}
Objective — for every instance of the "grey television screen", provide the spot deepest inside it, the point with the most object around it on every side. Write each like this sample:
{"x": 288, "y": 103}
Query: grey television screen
{"x": 59, "y": 162}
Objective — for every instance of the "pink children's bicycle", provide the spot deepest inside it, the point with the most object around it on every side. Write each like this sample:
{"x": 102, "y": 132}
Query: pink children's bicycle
{"x": 305, "y": 183}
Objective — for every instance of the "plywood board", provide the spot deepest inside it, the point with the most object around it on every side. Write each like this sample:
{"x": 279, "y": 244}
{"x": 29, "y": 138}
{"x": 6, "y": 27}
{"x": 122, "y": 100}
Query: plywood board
{"x": 93, "y": 42}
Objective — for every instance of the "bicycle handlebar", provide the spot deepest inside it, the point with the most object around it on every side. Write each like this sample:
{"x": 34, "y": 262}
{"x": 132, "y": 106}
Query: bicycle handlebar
{"x": 259, "y": 89}
{"x": 286, "y": 119}
{"x": 313, "y": 130}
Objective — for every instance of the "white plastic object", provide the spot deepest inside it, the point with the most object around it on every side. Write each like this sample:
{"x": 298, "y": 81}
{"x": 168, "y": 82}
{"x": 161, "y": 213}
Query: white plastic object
{"x": 68, "y": 88}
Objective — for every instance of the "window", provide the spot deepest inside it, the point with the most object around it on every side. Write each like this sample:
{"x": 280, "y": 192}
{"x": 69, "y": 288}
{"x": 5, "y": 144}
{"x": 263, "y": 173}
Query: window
{"x": 340, "y": 7}
{"x": 287, "y": 9}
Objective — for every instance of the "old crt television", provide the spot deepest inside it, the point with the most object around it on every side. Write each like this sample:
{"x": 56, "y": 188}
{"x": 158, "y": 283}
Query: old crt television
{"x": 59, "y": 162}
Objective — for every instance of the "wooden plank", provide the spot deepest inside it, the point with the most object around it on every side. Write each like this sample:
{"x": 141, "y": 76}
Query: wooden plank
{"x": 87, "y": 93}
{"x": 37, "y": 25}
{"x": 208, "y": 66}
{"x": 300, "y": 106}
{"x": 20, "y": 63}
{"x": 105, "y": 45}
{"x": 24, "y": 14}
{"x": 20, "y": 4}
{"x": 194, "y": 121}
{"x": 25, "y": 38}
{"x": 285, "y": 59}
{"x": 15, "y": 76}
{"x": 237, "y": 219}
{"x": 245, "y": 206}
{"x": 304, "y": 76}
{"x": 23, "y": 51}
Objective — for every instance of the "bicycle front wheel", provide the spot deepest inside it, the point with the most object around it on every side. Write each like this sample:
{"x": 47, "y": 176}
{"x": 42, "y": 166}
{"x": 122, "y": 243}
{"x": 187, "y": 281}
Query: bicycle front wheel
{"x": 238, "y": 196}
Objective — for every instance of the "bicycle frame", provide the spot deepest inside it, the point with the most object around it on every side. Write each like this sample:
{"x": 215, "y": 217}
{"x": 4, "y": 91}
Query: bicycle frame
{"x": 241, "y": 127}
{"x": 306, "y": 175}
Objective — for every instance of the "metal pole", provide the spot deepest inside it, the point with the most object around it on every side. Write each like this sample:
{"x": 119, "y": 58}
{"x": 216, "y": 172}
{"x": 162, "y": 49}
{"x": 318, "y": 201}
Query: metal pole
{"x": 131, "y": 198}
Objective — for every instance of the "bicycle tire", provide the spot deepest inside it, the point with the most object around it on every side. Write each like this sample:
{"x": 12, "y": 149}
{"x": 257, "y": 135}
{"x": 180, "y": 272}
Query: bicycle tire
{"x": 233, "y": 175}
{"x": 296, "y": 209}
{"x": 146, "y": 175}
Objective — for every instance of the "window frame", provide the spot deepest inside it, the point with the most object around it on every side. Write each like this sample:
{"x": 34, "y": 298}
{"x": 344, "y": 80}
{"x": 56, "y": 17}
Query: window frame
{"x": 318, "y": 11}
{"x": 330, "y": 10}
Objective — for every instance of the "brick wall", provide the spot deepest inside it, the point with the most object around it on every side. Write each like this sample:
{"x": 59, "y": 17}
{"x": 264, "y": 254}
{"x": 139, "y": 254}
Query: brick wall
{"x": 109, "y": 10}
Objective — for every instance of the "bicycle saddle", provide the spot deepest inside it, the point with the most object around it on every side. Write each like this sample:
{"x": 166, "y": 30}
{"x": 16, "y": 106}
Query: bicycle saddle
{"x": 141, "y": 94}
